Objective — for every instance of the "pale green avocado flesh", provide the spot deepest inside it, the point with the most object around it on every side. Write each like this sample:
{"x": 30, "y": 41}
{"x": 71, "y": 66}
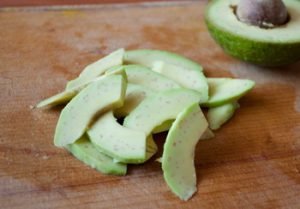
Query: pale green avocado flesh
{"x": 135, "y": 94}
{"x": 224, "y": 90}
{"x": 178, "y": 154}
{"x": 86, "y": 152}
{"x": 149, "y": 58}
{"x": 103, "y": 94}
{"x": 144, "y": 76}
{"x": 121, "y": 143}
{"x": 68, "y": 94}
{"x": 97, "y": 68}
{"x": 268, "y": 47}
{"x": 219, "y": 115}
{"x": 165, "y": 126}
{"x": 163, "y": 106}
{"x": 187, "y": 78}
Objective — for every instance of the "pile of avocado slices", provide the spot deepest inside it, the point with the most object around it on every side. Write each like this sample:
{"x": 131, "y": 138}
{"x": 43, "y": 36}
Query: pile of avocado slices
{"x": 152, "y": 91}
{"x": 263, "y": 32}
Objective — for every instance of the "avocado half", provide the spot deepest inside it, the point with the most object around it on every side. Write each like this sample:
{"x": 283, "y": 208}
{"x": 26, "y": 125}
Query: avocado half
{"x": 267, "y": 47}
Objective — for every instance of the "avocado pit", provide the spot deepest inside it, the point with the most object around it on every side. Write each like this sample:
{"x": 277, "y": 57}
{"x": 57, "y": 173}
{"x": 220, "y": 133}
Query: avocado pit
{"x": 262, "y": 13}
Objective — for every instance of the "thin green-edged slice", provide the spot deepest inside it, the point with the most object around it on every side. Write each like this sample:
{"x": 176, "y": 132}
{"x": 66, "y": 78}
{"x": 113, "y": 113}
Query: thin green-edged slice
{"x": 147, "y": 57}
{"x": 123, "y": 144}
{"x": 97, "y": 68}
{"x": 144, "y": 76}
{"x": 186, "y": 77}
{"x": 219, "y": 115}
{"x": 178, "y": 155}
{"x": 155, "y": 110}
{"x": 135, "y": 94}
{"x": 225, "y": 90}
{"x": 85, "y": 151}
{"x": 68, "y": 94}
{"x": 102, "y": 94}
{"x": 165, "y": 126}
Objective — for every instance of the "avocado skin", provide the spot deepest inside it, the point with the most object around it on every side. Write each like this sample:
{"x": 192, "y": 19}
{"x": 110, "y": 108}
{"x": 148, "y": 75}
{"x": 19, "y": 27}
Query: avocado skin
{"x": 261, "y": 53}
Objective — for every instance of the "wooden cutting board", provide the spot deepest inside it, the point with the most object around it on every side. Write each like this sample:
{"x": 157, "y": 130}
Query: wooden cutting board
{"x": 253, "y": 162}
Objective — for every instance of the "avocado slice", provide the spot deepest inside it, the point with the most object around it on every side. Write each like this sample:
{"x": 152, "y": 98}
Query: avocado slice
{"x": 97, "y": 68}
{"x": 68, "y": 94}
{"x": 135, "y": 94}
{"x": 224, "y": 90}
{"x": 155, "y": 110}
{"x": 219, "y": 115}
{"x": 144, "y": 76}
{"x": 102, "y": 94}
{"x": 148, "y": 57}
{"x": 178, "y": 154}
{"x": 165, "y": 126}
{"x": 263, "y": 46}
{"x": 123, "y": 144}
{"x": 85, "y": 151}
{"x": 191, "y": 79}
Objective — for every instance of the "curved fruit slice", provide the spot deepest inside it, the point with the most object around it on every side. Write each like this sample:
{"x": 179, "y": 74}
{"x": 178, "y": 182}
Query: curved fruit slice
{"x": 224, "y": 90}
{"x": 217, "y": 116}
{"x": 163, "y": 106}
{"x": 178, "y": 155}
{"x": 68, "y": 94}
{"x": 85, "y": 151}
{"x": 98, "y": 68}
{"x": 144, "y": 76}
{"x": 270, "y": 47}
{"x": 102, "y": 94}
{"x": 135, "y": 94}
{"x": 187, "y": 78}
{"x": 165, "y": 126}
{"x": 147, "y": 57}
{"x": 123, "y": 144}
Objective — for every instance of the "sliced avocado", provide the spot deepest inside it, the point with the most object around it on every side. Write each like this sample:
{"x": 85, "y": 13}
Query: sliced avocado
{"x": 158, "y": 108}
{"x": 264, "y": 46}
{"x": 102, "y": 94}
{"x": 147, "y": 57}
{"x": 97, "y": 68}
{"x": 225, "y": 90}
{"x": 135, "y": 94}
{"x": 178, "y": 154}
{"x": 123, "y": 144}
{"x": 68, "y": 94}
{"x": 219, "y": 115}
{"x": 165, "y": 126}
{"x": 144, "y": 76}
{"x": 191, "y": 79}
{"x": 85, "y": 151}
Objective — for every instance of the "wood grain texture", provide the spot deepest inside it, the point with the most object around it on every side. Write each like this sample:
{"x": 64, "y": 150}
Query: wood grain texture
{"x": 253, "y": 162}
